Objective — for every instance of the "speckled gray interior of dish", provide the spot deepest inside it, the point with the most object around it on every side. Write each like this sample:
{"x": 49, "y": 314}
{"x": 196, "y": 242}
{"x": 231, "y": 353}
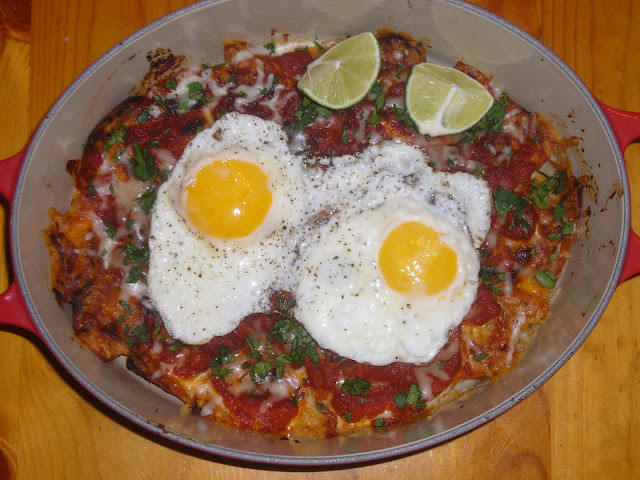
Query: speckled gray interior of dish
{"x": 531, "y": 75}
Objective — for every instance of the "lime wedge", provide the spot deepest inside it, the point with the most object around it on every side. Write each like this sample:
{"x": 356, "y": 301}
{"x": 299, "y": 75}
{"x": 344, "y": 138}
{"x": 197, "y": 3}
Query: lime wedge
{"x": 344, "y": 74}
{"x": 443, "y": 100}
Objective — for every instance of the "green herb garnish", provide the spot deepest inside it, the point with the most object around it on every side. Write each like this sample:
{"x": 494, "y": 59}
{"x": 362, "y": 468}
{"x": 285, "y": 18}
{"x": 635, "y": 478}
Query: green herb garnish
{"x": 547, "y": 278}
{"x": 356, "y": 387}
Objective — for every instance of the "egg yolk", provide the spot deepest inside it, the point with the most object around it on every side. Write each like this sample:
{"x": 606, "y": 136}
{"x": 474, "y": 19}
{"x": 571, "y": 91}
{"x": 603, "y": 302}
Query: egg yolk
{"x": 414, "y": 261}
{"x": 228, "y": 198}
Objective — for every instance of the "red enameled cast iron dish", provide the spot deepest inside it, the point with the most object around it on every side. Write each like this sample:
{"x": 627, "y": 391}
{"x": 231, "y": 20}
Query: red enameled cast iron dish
{"x": 606, "y": 253}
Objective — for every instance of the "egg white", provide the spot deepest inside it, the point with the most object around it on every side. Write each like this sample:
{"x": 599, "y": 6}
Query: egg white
{"x": 202, "y": 286}
{"x": 342, "y": 297}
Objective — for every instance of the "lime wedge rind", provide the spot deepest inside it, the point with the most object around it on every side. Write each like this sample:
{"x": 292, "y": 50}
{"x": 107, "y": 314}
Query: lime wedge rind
{"x": 344, "y": 75}
{"x": 443, "y": 101}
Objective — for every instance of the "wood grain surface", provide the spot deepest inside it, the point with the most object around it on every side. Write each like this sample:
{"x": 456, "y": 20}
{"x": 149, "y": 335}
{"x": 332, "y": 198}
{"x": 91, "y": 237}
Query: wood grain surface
{"x": 582, "y": 424}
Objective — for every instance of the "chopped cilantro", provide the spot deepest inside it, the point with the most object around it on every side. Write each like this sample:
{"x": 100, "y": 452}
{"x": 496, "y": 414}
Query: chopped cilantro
{"x": 318, "y": 45}
{"x": 307, "y": 113}
{"x": 171, "y": 84}
{"x": 160, "y": 100}
{"x": 175, "y": 345}
{"x": 481, "y": 356}
{"x": 144, "y": 116}
{"x": 110, "y": 230}
{"x": 138, "y": 334}
{"x": 539, "y": 192}
{"x": 111, "y": 188}
{"x": 400, "y": 399}
{"x": 134, "y": 274}
{"x": 261, "y": 369}
{"x": 183, "y": 105}
{"x": 290, "y": 332}
{"x": 547, "y": 278}
{"x": 553, "y": 256}
{"x": 347, "y": 416}
{"x": 567, "y": 228}
{"x": 489, "y": 124}
{"x": 412, "y": 397}
{"x": 492, "y": 278}
{"x": 143, "y": 164}
{"x": 345, "y": 138}
{"x": 271, "y": 47}
{"x": 356, "y": 387}
{"x": 554, "y": 236}
{"x": 154, "y": 143}
{"x": 322, "y": 407}
{"x": 118, "y": 135}
{"x": 146, "y": 199}
{"x": 127, "y": 308}
{"x": 374, "y": 119}
{"x": 506, "y": 201}
{"x": 378, "y": 91}
{"x": 379, "y": 422}
{"x": 477, "y": 170}
{"x": 397, "y": 110}
{"x": 133, "y": 254}
{"x": 217, "y": 362}
{"x": 451, "y": 163}
{"x": 129, "y": 223}
{"x": 196, "y": 91}
{"x": 559, "y": 212}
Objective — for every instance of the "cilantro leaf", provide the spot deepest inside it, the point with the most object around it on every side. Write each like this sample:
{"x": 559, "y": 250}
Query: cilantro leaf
{"x": 539, "y": 192}
{"x": 196, "y": 91}
{"x": 133, "y": 254}
{"x": 110, "y": 230}
{"x": 146, "y": 199}
{"x": 144, "y": 164}
{"x": 307, "y": 113}
{"x": 356, "y": 387}
{"x": 290, "y": 332}
{"x": 400, "y": 399}
{"x": 118, "y": 135}
{"x": 134, "y": 274}
{"x": 547, "y": 278}
{"x": 559, "y": 212}
{"x": 491, "y": 122}
{"x": 506, "y": 201}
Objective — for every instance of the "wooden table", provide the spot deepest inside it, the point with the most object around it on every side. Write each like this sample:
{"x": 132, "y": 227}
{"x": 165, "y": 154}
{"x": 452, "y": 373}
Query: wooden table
{"x": 583, "y": 423}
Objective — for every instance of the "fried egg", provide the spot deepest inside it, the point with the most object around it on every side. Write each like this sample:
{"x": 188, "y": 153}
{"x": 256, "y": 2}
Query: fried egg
{"x": 220, "y": 226}
{"x": 389, "y": 275}
{"x": 377, "y": 248}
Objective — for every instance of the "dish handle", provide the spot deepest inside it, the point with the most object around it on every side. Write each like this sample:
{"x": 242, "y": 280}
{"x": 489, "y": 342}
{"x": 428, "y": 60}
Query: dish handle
{"x": 14, "y": 309}
{"x": 626, "y": 127}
